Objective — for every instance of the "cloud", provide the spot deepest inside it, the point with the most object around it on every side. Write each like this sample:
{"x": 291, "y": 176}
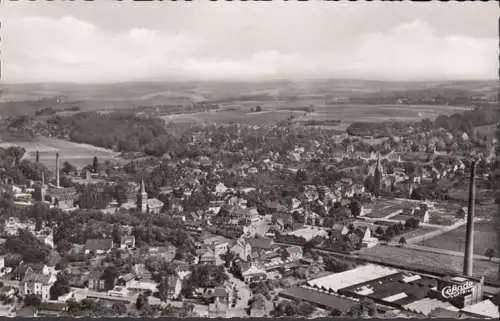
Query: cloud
{"x": 69, "y": 49}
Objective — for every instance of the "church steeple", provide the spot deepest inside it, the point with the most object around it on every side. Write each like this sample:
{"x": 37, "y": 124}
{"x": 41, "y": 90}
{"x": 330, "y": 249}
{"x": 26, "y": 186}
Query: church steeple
{"x": 378, "y": 176}
{"x": 143, "y": 188}
{"x": 143, "y": 198}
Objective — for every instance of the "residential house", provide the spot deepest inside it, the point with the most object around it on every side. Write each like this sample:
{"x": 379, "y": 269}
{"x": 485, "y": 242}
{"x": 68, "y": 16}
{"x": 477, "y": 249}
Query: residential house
{"x": 142, "y": 285}
{"x": 258, "y": 308}
{"x": 217, "y": 310}
{"x": 242, "y": 249}
{"x": 98, "y": 246}
{"x": 220, "y": 295}
{"x": 174, "y": 287}
{"x": 207, "y": 257}
{"x": 293, "y": 253}
{"x": 127, "y": 242}
{"x": 39, "y": 283}
{"x": 218, "y": 243}
{"x": 422, "y": 213}
{"x": 220, "y": 189}
{"x": 252, "y": 272}
{"x": 261, "y": 246}
{"x": 166, "y": 252}
{"x": 46, "y": 236}
{"x": 364, "y": 232}
{"x": 96, "y": 281}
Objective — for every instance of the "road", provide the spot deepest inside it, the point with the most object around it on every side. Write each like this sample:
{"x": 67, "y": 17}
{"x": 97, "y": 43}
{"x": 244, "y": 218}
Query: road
{"x": 243, "y": 292}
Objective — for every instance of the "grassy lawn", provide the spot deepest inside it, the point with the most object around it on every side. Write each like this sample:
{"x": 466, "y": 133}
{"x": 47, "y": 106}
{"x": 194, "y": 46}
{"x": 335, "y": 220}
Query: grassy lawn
{"x": 441, "y": 220}
{"x": 428, "y": 261}
{"x": 383, "y": 207}
{"x": 485, "y": 236}
{"x": 401, "y": 217}
{"x": 417, "y": 232}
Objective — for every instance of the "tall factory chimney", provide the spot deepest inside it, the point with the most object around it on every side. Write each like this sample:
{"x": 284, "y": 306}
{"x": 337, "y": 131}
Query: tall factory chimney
{"x": 57, "y": 169}
{"x": 469, "y": 236}
{"x": 37, "y": 156}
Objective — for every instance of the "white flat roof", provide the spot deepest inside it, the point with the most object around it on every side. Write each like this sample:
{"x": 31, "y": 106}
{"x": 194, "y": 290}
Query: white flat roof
{"x": 352, "y": 277}
{"x": 485, "y": 308}
{"x": 425, "y": 306}
{"x": 395, "y": 297}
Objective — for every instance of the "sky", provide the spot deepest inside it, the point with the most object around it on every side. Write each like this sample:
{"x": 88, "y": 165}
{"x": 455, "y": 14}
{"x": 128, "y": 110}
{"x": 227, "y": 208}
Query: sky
{"x": 111, "y": 41}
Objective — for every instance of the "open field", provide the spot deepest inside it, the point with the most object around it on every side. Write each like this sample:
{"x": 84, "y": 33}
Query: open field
{"x": 462, "y": 194}
{"x": 428, "y": 261}
{"x": 276, "y": 111}
{"x": 380, "y": 208}
{"x": 401, "y": 217}
{"x": 485, "y": 237}
{"x": 237, "y": 116}
{"x": 77, "y": 154}
{"x": 422, "y": 230}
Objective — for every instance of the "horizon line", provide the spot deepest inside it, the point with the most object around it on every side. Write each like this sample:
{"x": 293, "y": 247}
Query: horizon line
{"x": 291, "y": 80}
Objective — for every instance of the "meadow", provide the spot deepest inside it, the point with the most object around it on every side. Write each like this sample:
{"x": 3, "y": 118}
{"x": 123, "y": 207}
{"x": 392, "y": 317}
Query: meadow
{"x": 78, "y": 155}
{"x": 485, "y": 237}
{"x": 428, "y": 261}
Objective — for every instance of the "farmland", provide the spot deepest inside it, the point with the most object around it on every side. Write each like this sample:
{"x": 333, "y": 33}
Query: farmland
{"x": 485, "y": 237}
{"x": 277, "y": 111}
{"x": 77, "y": 154}
{"x": 428, "y": 261}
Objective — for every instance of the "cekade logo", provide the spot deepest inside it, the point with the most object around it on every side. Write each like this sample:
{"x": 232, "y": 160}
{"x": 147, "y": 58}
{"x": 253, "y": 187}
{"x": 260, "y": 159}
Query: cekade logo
{"x": 452, "y": 291}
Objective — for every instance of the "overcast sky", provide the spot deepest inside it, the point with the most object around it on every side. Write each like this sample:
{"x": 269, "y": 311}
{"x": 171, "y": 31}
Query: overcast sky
{"x": 107, "y": 41}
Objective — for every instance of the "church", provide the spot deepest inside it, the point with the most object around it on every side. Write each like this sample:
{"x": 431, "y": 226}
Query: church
{"x": 148, "y": 205}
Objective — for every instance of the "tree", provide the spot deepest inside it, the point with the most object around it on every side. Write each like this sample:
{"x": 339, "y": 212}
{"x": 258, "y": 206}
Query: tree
{"x": 119, "y": 308}
{"x": 60, "y": 287}
{"x": 110, "y": 274}
{"x": 32, "y": 300}
{"x": 141, "y": 302}
{"x": 95, "y": 164}
{"x": 116, "y": 234}
{"x": 355, "y": 208}
{"x": 68, "y": 168}
{"x": 334, "y": 312}
{"x": 490, "y": 253}
{"x": 258, "y": 109}
{"x": 402, "y": 240}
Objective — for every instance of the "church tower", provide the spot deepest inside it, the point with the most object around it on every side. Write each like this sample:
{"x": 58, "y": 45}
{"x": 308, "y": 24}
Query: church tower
{"x": 143, "y": 198}
{"x": 377, "y": 177}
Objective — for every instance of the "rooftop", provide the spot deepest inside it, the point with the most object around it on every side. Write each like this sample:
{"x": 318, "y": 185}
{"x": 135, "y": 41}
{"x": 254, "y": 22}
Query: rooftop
{"x": 425, "y": 306}
{"x": 352, "y": 277}
{"x": 319, "y": 298}
{"x": 484, "y": 308}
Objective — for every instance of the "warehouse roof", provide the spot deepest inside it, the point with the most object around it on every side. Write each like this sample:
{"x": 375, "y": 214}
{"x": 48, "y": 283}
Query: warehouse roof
{"x": 337, "y": 281}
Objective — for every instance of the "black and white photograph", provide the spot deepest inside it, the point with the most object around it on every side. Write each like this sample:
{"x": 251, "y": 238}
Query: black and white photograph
{"x": 222, "y": 159}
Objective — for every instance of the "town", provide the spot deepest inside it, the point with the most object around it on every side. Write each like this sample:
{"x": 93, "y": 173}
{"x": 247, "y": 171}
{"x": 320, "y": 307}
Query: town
{"x": 236, "y": 220}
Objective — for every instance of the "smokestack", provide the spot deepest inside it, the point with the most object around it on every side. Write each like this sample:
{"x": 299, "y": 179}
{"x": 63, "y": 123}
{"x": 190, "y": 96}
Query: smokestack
{"x": 469, "y": 236}
{"x": 57, "y": 169}
{"x": 37, "y": 156}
